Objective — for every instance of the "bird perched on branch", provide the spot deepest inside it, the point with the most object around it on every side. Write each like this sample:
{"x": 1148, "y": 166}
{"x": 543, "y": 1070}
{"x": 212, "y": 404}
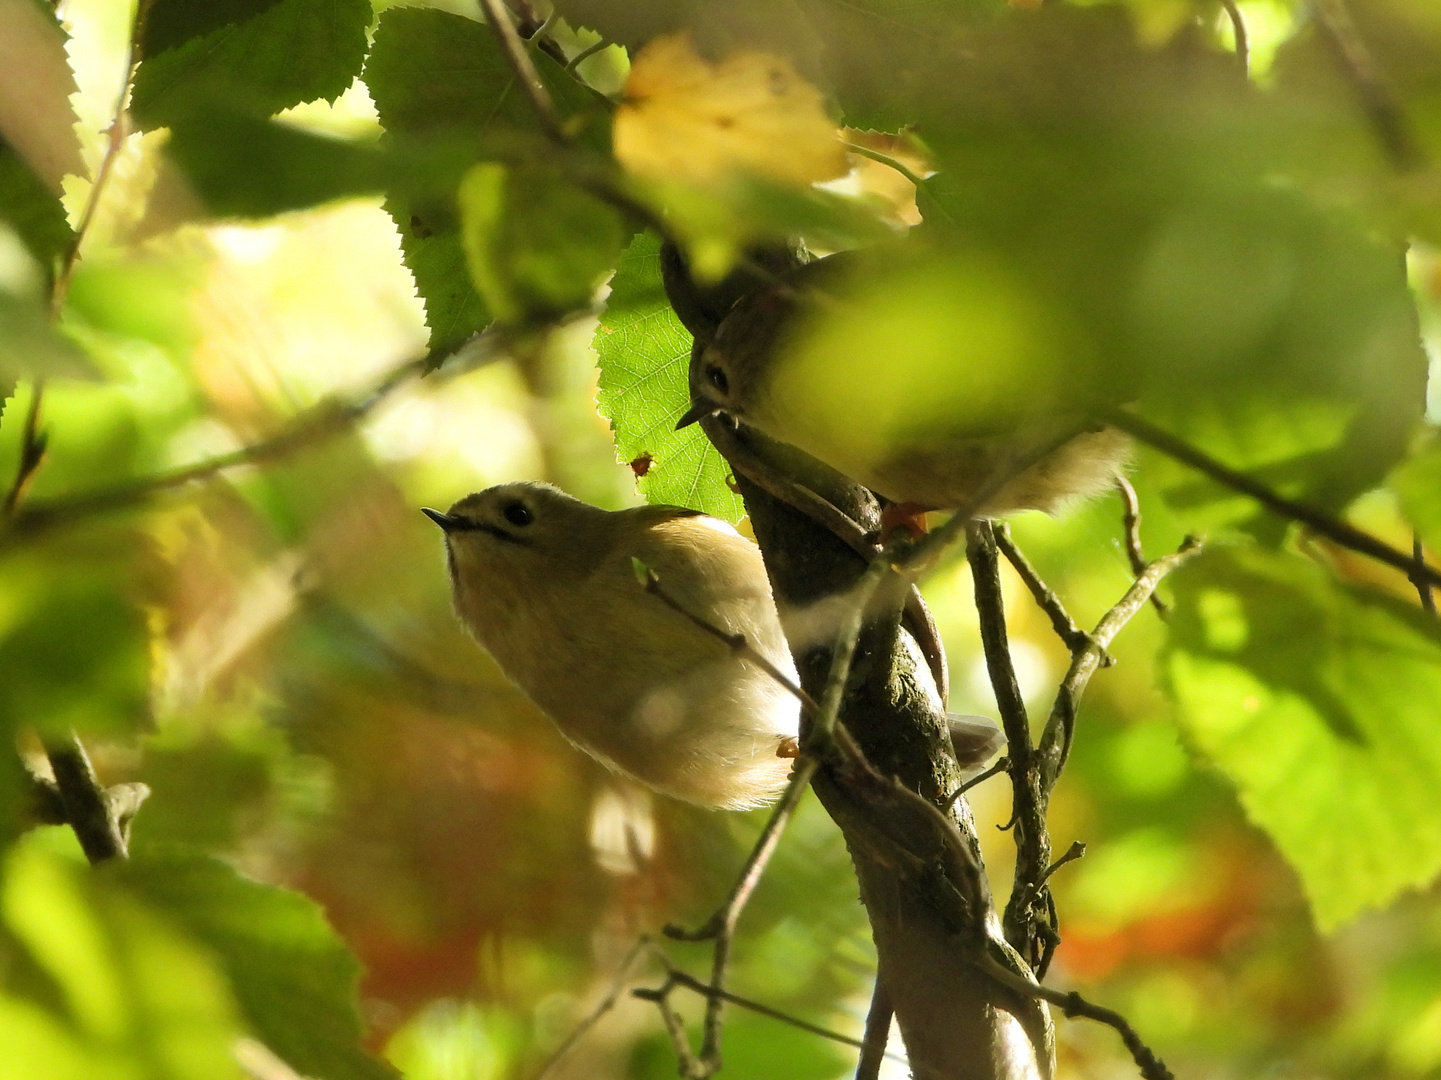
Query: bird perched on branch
{"x": 928, "y": 432}
{"x": 548, "y": 586}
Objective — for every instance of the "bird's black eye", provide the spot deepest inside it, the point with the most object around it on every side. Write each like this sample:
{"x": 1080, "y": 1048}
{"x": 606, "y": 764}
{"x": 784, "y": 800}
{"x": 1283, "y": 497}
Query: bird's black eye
{"x": 718, "y": 379}
{"x": 517, "y": 514}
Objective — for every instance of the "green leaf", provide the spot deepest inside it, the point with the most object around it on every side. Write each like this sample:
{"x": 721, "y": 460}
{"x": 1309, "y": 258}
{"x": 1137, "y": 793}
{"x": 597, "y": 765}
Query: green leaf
{"x": 281, "y": 55}
{"x": 1318, "y": 702}
{"x": 30, "y": 344}
{"x": 537, "y": 245}
{"x": 171, "y": 23}
{"x": 1417, "y": 481}
{"x": 293, "y": 978}
{"x": 99, "y": 984}
{"x": 644, "y": 354}
{"x": 31, "y": 210}
{"x": 439, "y": 80}
{"x": 243, "y": 166}
{"x": 75, "y": 645}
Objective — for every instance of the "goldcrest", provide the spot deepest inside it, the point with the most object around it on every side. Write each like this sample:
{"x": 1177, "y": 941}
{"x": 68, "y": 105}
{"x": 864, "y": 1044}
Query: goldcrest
{"x": 932, "y": 468}
{"x": 547, "y": 584}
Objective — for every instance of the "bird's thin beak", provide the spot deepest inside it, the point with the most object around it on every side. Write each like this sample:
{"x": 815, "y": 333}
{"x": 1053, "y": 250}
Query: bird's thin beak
{"x": 698, "y": 410}
{"x": 445, "y": 521}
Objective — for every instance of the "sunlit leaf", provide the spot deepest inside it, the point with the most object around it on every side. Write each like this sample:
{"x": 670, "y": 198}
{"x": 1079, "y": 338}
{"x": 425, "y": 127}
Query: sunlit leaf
{"x": 293, "y": 978}
{"x": 437, "y": 78}
{"x": 254, "y": 58}
{"x": 644, "y": 356}
{"x": 689, "y": 120}
{"x": 1318, "y": 702}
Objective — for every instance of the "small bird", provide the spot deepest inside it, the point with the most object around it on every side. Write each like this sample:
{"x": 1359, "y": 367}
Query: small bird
{"x": 933, "y": 468}
{"x": 547, "y": 585}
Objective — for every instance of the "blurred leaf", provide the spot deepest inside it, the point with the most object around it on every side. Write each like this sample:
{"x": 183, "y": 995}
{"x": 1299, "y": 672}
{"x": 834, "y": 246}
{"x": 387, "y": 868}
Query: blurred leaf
{"x": 243, "y": 166}
{"x": 537, "y": 246}
{"x": 81, "y": 642}
{"x": 687, "y": 119}
{"x": 754, "y": 1046}
{"x": 101, "y": 985}
{"x": 31, "y": 346}
{"x": 293, "y": 978}
{"x": 644, "y": 354}
{"x": 438, "y": 79}
{"x": 254, "y": 58}
{"x": 1318, "y": 702}
{"x": 1417, "y": 481}
{"x": 31, "y": 210}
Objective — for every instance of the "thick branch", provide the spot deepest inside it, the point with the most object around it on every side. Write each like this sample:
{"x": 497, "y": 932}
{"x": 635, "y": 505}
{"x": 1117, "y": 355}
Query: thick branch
{"x": 99, "y": 816}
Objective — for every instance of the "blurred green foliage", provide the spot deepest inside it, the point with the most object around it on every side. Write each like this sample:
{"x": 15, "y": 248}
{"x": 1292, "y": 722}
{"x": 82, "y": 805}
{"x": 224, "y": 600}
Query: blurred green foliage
{"x": 1113, "y": 214}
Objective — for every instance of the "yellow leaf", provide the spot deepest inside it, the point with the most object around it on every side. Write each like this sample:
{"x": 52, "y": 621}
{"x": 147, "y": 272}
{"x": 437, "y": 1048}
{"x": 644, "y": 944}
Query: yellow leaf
{"x": 688, "y": 120}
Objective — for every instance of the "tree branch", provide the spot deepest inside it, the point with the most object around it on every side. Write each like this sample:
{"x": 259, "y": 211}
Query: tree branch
{"x": 319, "y": 422}
{"x": 519, "y": 59}
{"x": 1332, "y": 528}
{"x": 1046, "y": 599}
{"x": 100, "y": 816}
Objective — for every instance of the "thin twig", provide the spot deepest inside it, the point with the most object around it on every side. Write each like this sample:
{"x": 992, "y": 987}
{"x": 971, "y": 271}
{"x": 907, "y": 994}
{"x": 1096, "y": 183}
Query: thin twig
{"x": 1131, "y": 524}
{"x": 32, "y": 449}
{"x": 1055, "y": 742}
{"x": 1046, "y": 599}
{"x": 1332, "y": 528}
{"x": 520, "y": 62}
{"x": 738, "y": 643}
{"x": 617, "y": 987}
{"x": 1423, "y": 587}
{"x": 819, "y": 737}
{"x": 886, "y": 160}
{"x": 878, "y": 1031}
{"x": 1238, "y": 30}
{"x": 1072, "y": 1004}
{"x": 1002, "y": 765}
{"x": 1074, "y": 852}
{"x": 1378, "y": 98}
{"x": 319, "y": 422}
{"x": 116, "y": 135}
{"x": 100, "y": 817}
{"x": 585, "y": 54}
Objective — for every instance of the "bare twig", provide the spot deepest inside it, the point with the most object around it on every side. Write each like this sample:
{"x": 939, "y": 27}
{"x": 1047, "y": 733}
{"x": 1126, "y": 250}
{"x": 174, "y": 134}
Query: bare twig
{"x": 519, "y": 59}
{"x": 878, "y": 1031}
{"x": 585, "y": 54}
{"x": 1238, "y": 30}
{"x": 1072, "y": 1004}
{"x": 738, "y": 643}
{"x": 32, "y": 449}
{"x": 1055, "y": 742}
{"x": 1377, "y": 96}
{"x": 1423, "y": 587}
{"x": 1074, "y": 852}
{"x": 886, "y": 160}
{"x": 594, "y": 1017}
{"x": 317, "y": 423}
{"x": 1045, "y": 597}
{"x": 99, "y": 816}
{"x": 1332, "y": 528}
{"x": 1002, "y": 765}
{"x": 1131, "y": 523}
